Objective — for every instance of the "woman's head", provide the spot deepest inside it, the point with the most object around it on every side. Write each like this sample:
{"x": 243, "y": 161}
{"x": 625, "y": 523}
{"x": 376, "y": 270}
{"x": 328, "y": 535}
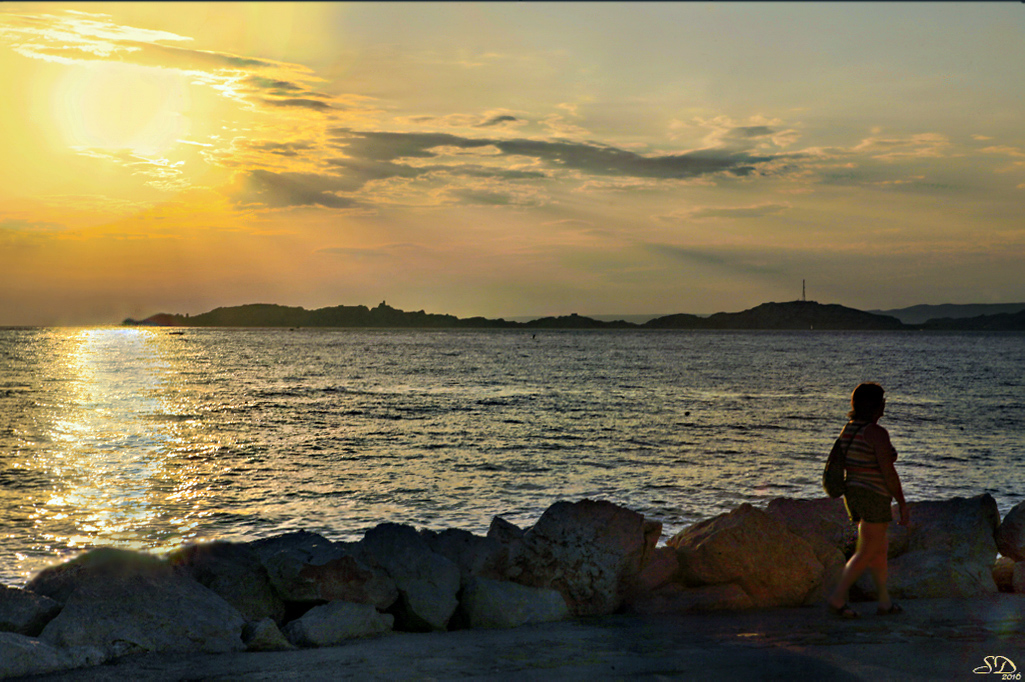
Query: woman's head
{"x": 866, "y": 401}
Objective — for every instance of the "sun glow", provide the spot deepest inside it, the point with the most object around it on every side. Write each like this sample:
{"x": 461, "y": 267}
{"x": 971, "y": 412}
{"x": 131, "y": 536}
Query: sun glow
{"x": 112, "y": 106}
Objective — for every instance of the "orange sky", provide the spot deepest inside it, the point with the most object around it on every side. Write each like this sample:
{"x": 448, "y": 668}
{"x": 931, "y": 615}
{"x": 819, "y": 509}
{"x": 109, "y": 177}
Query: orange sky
{"x": 508, "y": 159}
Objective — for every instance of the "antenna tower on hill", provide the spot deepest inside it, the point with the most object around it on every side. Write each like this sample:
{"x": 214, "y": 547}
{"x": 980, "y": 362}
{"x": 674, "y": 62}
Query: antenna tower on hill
{"x": 803, "y": 297}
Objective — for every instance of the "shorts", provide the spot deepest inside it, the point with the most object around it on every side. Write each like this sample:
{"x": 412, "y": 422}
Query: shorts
{"x": 868, "y": 505}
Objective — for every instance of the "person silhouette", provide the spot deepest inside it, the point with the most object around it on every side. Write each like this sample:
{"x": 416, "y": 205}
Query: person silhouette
{"x": 872, "y": 482}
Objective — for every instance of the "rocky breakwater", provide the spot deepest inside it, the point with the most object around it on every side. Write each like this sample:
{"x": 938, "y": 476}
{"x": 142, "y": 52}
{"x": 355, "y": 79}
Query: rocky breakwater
{"x": 584, "y": 558}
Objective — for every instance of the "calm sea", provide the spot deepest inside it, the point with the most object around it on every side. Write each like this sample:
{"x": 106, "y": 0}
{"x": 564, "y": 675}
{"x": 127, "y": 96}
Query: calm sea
{"x": 151, "y": 438}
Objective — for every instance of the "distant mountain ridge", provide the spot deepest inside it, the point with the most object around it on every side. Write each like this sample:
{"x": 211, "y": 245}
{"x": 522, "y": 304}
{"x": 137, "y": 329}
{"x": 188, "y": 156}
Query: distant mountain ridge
{"x": 793, "y": 315}
{"x": 918, "y": 314}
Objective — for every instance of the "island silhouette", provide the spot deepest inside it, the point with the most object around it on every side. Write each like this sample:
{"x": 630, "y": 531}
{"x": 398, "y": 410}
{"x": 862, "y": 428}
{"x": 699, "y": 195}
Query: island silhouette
{"x": 792, "y": 315}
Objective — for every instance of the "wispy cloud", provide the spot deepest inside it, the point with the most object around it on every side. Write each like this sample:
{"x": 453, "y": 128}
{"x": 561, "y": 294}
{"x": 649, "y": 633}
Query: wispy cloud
{"x": 727, "y": 212}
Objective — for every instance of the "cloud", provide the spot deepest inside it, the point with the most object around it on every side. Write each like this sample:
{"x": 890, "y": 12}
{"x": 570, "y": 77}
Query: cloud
{"x": 383, "y": 252}
{"x": 18, "y": 225}
{"x": 751, "y": 264}
{"x": 496, "y": 120}
{"x": 306, "y": 103}
{"x": 715, "y": 212}
{"x": 921, "y": 145}
{"x": 456, "y": 166}
{"x": 289, "y": 189}
{"x": 590, "y": 158}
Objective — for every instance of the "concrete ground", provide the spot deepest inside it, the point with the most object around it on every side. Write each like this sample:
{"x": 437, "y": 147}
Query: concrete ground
{"x": 935, "y": 639}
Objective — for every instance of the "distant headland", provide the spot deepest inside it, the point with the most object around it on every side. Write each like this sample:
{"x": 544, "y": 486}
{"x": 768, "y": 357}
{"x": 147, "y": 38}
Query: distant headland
{"x": 793, "y": 315}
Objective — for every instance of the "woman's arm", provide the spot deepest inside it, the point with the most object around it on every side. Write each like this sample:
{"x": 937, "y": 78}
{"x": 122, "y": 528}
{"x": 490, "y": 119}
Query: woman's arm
{"x": 885, "y": 456}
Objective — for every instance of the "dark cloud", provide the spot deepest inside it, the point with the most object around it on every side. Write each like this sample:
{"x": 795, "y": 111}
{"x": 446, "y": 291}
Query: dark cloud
{"x": 497, "y": 120}
{"x": 291, "y": 189}
{"x": 749, "y": 132}
{"x": 281, "y": 148}
{"x": 590, "y": 158}
{"x": 740, "y": 263}
{"x": 758, "y": 211}
{"x": 372, "y": 156}
{"x": 303, "y": 102}
{"x": 261, "y": 83}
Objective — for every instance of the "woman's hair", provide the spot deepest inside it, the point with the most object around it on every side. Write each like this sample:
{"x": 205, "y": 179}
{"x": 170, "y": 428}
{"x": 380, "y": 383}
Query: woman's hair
{"x": 865, "y": 400}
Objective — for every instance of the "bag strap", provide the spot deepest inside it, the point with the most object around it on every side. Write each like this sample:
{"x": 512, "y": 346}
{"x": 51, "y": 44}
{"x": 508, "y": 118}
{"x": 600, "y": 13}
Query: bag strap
{"x": 855, "y": 435}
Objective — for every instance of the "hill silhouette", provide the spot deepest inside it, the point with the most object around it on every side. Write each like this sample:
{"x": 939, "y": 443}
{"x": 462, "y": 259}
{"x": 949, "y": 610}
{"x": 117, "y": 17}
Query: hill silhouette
{"x": 793, "y": 315}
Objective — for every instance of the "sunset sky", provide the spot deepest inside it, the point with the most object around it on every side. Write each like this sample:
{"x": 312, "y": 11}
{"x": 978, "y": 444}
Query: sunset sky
{"x": 508, "y": 159}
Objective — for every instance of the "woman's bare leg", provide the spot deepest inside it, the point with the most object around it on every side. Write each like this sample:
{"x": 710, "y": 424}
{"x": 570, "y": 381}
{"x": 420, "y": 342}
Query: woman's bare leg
{"x": 878, "y": 569}
{"x": 872, "y": 544}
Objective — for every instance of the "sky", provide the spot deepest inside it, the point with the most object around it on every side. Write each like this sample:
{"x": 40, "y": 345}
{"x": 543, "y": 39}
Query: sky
{"x": 508, "y": 159}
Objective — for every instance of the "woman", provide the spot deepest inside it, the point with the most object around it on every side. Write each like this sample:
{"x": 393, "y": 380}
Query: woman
{"x": 872, "y": 482}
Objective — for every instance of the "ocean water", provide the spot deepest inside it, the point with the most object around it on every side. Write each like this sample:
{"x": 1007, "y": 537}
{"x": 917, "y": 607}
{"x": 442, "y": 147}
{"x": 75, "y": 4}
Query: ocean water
{"x": 151, "y": 438}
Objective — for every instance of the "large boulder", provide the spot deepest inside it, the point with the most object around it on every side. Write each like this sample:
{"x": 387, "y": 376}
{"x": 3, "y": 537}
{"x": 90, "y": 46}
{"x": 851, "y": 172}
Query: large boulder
{"x": 427, "y": 582}
{"x": 307, "y": 567}
{"x": 590, "y": 551}
{"x": 504, "y": 532}
{"x": 488, "y": 603}
{"x": 335, "y": 622}
{"x": 951, "y": 551}
{"x": 124, "y": 603}
{"x": 475, "y": 556}
{"x": 25, "y": 612}
{"x": 235, "y": 572}
{"x": 824, "y": 524}
{"x": 264, "y": 635}
{"x": 98, "y": 565}
{"x": 754, "y": 550}
{"x": 963, "y": 526}
{"x": 21, "y": 655}
{"x": 663, "y": 568}
{"x": 821, "y": 521}
{"x": 1010, "y": 535}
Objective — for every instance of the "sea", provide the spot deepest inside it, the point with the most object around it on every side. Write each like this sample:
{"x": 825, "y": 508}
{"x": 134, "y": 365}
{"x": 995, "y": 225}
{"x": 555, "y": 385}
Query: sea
{"x": 151, "y": 438}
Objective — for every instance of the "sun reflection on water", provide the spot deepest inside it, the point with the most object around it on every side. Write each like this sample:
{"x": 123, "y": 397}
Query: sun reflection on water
{"x": 122, "y": 447}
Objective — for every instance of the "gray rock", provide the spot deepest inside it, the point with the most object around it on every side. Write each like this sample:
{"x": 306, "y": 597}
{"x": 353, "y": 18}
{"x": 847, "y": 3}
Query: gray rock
{"x": 589, "y": 551}
{"x": 932, "y": 574}
{"x": 662, "y": 569}
{"x": 264, "y": 635}
{"x": 504, "y": 531}
{"x": 235, "y": 572}
{"x": 306, "y": 567}
{"x": 474, "y": 555}
{"x": 21, "y": 655}
{"x": 1018, "y": 578}
{"x": 98, "y": 565}
{"x": 488, "y": 603}
{"x": 25, "y": 612}
{"x": 1010, "y": 535}
{"x": 427, "y": 581}
{"x": 951, "y": 551}
{"x": 335, "y": 622}
{"x": 962, "y": 526}
{"x": 824, "y": 524}
{"x": 1003, "y": 574}
{"x": 136, "y": 608}
{"x": 754, "y": 550}
{"x": 819, "y": 521}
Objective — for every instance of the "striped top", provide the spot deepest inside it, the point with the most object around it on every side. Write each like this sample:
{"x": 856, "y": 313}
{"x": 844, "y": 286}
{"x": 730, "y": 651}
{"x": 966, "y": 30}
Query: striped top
{"x": 862, "y": 467}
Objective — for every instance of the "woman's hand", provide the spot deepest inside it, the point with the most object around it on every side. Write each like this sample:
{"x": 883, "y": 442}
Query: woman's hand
{"x": 903, "y": 511}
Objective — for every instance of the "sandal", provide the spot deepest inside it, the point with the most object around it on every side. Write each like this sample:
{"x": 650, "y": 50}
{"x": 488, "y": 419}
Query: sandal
{"x": 892, "y": 611}
{"x": 845, "y": 611}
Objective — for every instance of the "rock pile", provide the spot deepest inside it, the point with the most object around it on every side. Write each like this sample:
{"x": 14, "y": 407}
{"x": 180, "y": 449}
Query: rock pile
{"x": 580, "y": 559}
